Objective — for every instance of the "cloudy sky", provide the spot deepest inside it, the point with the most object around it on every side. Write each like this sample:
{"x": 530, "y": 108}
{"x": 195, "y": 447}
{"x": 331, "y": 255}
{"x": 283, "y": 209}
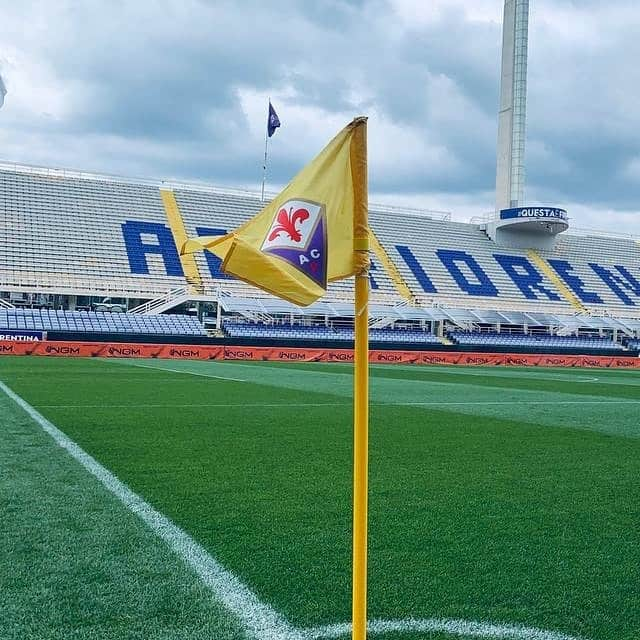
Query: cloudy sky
{"x": 179, "y": 88}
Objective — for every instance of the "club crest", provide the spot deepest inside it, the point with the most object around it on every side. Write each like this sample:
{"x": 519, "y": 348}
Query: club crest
{"x": 298, "y": 235}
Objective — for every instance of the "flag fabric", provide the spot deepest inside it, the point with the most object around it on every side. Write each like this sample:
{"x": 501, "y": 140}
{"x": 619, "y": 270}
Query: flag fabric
{"x": 314, "y": 232}
{"x": 273, "y": 122}
{"x": 3, "y": 91}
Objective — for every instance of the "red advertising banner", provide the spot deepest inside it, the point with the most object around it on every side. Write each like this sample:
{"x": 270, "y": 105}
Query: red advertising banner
{"x": 287, "y": 354}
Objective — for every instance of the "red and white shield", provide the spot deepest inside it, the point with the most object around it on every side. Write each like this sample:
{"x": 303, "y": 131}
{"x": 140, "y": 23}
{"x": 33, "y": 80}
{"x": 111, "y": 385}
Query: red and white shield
{"x": 298, "y": 235}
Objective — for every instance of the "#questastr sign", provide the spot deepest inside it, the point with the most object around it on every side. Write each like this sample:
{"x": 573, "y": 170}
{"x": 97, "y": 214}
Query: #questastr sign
{"x": 536, "y": 213}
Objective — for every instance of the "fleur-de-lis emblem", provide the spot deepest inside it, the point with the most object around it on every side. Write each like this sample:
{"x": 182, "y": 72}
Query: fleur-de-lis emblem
{"x": 298, "y": 236}
{"x": 286, "y": 223}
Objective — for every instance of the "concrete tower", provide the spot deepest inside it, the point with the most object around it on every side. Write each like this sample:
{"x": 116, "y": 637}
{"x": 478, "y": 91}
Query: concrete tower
{"x": 512, "y": 118}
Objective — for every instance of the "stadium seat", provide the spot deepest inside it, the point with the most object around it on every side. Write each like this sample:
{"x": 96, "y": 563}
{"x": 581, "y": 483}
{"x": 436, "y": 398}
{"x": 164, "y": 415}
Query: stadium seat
{"x": 470, "y": 338}
{"x": 95, "y": 322}
{"x": 317, "y": 332}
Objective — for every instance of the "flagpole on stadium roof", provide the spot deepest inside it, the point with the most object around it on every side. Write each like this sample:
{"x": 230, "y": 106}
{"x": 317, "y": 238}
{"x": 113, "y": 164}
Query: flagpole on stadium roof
{"x": 361, "y": 381}
{"x": 273, "y": 122}
{"x": 264, "y": 164}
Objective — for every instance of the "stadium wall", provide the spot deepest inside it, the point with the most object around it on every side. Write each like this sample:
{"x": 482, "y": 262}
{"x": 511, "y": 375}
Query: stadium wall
{"x": 284, "y": 354}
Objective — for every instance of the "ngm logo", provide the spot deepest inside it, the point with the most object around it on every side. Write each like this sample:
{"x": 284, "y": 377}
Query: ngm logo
{"x": 340, "y": 357}
{"x": 291, "y": 355}
{"x": 389, "y": 357}
{"x": 558, "y": 362}
{"x": 238, "y": 355}
{"x": 435, "y": 360}
{"x": 63, "y": 351}
{"x": 477, "y": 360}
{"x": 124, "y": 351}
{"x": 184, "y": 353}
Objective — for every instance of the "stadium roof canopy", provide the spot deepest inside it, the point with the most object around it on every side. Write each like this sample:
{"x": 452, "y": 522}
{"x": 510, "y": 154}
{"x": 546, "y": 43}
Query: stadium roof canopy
{"x": 271, "y": 306}
{"x": 461, "y": 317}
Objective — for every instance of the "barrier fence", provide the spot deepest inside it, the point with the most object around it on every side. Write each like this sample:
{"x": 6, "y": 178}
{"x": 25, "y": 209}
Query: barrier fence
{"x": 285, "y": 354}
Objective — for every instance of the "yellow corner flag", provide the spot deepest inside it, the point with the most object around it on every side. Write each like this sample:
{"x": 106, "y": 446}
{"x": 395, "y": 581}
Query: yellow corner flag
{"x": 315, "y": 231}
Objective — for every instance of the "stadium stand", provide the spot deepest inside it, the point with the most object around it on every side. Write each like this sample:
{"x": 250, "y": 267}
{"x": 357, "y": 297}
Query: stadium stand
{"x": 103, "y": 323}
{"x": 74, "y": 234}
{"x": 78, "y": 234}
{"x": 538, "y": 341}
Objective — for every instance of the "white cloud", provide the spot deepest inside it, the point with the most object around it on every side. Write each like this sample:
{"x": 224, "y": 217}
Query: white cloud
{"x": 179, "y": 88}
{"x": 418, "y": 11}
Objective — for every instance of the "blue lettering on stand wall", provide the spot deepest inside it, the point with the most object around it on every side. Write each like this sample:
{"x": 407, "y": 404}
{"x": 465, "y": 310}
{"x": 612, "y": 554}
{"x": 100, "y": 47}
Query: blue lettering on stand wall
{"x": 618, "y": 283}
{"x": 213, "y": 262}
{"x": 483, "y": 286}
{"x": 372, "y": 281}
{"x": 633, "y": 283}
{"x": 137, "y": 249}
{"x": 416, "y": 268}
{"x": 525, "y": 276}
{"x": 564, "y": 269}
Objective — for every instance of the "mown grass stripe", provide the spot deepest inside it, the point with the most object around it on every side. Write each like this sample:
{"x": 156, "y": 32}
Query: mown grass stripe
{"x": 254, "y": 405}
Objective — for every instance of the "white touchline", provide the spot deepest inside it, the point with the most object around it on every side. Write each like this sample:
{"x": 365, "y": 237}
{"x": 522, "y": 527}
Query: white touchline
{"x": 260, "y": 620}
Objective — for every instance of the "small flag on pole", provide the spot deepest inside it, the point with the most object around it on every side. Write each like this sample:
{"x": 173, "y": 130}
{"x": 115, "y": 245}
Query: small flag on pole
{"x": 306, "y": 237}
{"x": 273, "y": 122}
{"x": 3, "y": 91}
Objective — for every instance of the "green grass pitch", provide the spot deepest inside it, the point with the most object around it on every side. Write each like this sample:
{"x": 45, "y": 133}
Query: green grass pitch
{"x": 503, "y": 496}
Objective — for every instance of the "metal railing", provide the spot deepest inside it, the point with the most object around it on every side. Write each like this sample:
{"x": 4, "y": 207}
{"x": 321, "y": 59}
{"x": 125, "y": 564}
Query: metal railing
{"x": 202, "y": 187}
{"x": 173, "y": 297}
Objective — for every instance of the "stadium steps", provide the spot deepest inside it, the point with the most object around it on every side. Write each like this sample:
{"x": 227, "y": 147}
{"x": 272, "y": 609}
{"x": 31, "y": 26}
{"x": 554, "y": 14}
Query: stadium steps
{"x": 168, "y": 301}
{"x": 562, "y": 288}
{"x": 6, "y": 305}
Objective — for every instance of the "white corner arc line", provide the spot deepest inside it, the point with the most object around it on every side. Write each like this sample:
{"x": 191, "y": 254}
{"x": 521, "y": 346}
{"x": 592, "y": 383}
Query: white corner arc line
{"x": 459, "y": 628}
{"x": 260, "y": 620}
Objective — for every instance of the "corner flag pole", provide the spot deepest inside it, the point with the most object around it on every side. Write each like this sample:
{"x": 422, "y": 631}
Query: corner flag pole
{"x": 361, "y": 382}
